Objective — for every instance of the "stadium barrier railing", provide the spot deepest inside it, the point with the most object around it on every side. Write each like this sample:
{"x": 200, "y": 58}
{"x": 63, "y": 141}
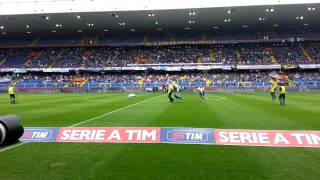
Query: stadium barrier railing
{"x": 304, "y": 86}
{"x": 155, "y": 84}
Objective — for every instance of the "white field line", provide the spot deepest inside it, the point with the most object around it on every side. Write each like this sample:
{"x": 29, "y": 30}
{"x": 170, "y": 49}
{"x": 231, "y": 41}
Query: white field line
{"x": 13, "y": 146}
{"x": 88, "y": 120}
{"x": 108, "y": 113}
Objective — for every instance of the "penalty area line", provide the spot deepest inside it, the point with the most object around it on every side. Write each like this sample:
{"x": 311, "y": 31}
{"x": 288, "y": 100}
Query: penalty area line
{"x": 88, "y": 120}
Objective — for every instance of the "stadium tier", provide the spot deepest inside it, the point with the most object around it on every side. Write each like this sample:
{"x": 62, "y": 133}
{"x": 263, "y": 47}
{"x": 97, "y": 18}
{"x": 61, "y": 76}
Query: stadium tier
{"x": 100, "y": 57}
{"x": 161, "y": 38}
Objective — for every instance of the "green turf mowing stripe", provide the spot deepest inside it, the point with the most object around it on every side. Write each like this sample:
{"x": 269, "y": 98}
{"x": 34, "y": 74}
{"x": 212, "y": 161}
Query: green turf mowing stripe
{"x": 169, "y": 161}
{"x": 89, "y": 120}
{"x": 108, "y": 113}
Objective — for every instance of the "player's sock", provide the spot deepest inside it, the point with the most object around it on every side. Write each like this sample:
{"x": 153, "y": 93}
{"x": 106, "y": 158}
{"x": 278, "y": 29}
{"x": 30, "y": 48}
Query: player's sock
{"x": 176, "y": 96}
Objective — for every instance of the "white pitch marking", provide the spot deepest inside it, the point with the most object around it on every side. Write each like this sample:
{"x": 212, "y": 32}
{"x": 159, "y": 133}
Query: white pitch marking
{"x": 108, "y": 113}
{"x": 88, "y": 120}
{"x": 13, "y": 146}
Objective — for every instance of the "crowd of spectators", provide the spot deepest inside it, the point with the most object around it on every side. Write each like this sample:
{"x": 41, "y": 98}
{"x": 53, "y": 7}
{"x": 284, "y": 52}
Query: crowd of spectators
{"x": 305, "y": 76}
{"x": 159, "y": 77}
{"x": 255, "y": 55}
{"x": 290, "y": 55}
{"x": 100, "y": 57}
{"x": 314, "y": 51}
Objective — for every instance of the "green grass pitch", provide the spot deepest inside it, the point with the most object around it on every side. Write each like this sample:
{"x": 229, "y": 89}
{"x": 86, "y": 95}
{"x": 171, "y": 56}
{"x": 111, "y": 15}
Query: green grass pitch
{"x": 161, "y": 161}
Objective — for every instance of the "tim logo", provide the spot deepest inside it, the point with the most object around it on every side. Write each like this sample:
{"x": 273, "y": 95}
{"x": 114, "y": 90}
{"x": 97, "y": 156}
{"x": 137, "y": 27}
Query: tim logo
{"x": 187, "y": 136}
{"x": 31, "y": 135}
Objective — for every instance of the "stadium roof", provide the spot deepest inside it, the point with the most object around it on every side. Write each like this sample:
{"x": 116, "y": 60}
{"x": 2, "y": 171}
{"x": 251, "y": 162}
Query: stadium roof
{"x": 266, "y": 17}
{"x": 13, "y": 7}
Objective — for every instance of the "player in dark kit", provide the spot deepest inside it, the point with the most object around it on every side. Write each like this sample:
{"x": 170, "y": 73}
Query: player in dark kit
{"x": 282, "y": 95}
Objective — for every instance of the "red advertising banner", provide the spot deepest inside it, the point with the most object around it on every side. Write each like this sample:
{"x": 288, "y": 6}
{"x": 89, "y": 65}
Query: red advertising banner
{"x": 267, "y": 138}
{"x": 112, "y": 135}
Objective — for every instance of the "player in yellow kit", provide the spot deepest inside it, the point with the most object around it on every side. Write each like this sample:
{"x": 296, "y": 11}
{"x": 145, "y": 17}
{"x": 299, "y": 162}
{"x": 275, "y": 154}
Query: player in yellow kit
{"x": 170, "y": 92}
{"x": 282, "y": 94}
{"x": 12, "y": 94}
{"x": 273, "y": 92}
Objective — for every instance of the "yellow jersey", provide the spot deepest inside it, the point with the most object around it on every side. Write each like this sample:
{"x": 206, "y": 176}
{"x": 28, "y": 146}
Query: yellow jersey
{"x": 272, "y": 89}
{"x": 11, "y": 90}
{"x": 170, "y": 88}
{"x": 282, "y": 89}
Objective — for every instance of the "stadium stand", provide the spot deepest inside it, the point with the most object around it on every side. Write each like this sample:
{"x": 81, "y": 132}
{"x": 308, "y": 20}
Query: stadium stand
{"x": 37, "y": 80}
{"x": 58, "y": 40}
{"x": 84, "y": 60}
{"x": 139, "y": 38}
{"x": 314, "y": 51}
{"x": 16, "y": 41}
{"x": 243, "y": 54}
{"x": 290, "y": 55}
